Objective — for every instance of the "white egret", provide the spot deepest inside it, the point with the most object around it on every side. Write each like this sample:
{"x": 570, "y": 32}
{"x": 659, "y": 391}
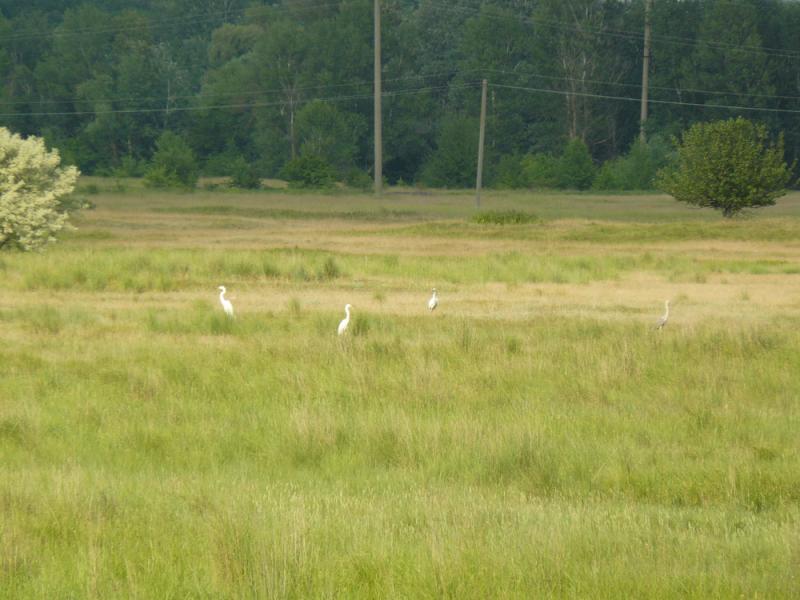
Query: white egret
{"x": 434, "y": 301}
{"x": 226, "y": 304}
{"x": 663, "y": 320}
{"x": 346, "y": 321}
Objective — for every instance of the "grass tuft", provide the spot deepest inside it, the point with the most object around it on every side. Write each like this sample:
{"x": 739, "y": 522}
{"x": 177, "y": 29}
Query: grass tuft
{"x": 504, "y": 217}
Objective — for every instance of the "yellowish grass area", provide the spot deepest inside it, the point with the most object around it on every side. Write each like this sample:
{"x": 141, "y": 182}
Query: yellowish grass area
{"x": 148, "y": 220}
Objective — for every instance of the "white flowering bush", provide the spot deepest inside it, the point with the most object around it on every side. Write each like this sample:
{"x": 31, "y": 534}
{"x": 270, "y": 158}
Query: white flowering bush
{"x": 31, "y": 183}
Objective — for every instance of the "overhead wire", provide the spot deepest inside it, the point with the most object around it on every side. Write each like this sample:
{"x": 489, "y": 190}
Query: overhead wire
{"x": 618, "y": 33}
{"x": 200, "y": 95}
{"x": 638, "y": 86}
{"x": 442, "y": 4}
{"x": 653, "y": 101}
{"x": 238, "y": 105}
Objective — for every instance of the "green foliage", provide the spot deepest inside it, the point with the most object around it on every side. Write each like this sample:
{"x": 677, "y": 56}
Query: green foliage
{"x": 34, "y": 192}
{"x": 328, "y": 133}
{"x": 504, "y": 217}
{"x": 508, "y": 173}
{"x": 358, "y": 179}
{"x": 539, "y": 170}
{"x": 637, "y": 170}
{"x": 727, "y": 165}
{"x": 221, "y": 164}
{"x": 245, "y": 174}
{"x": 575, "y": 168}
{"x": 129, "y": 167}
{"x": 308, "y": 171}
{"x": 454, "y": 162}
{"x": 105, "y": 83}
{"x": 173, "y": 163}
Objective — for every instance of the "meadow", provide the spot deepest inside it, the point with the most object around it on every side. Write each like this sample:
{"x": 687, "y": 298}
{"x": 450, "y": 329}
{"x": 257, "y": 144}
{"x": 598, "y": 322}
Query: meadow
{"x": 533, "y": 437}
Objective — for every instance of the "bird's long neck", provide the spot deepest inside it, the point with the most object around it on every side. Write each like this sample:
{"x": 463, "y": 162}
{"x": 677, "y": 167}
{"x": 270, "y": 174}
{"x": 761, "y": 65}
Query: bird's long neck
{"x": 666, "y": 312}
{"x": 222, "y": 296}
{"x": 347, "y": 312}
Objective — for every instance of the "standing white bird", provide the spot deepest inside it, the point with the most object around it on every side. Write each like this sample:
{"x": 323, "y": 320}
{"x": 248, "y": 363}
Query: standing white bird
{"x": 663, "y": 320}
{"x": 226, "y": 304}
{"x": 434, "y": 301}
{"x": 346, "y": 321}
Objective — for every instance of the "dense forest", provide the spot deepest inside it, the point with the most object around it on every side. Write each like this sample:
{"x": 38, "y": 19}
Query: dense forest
{"x": 262, "y": 85}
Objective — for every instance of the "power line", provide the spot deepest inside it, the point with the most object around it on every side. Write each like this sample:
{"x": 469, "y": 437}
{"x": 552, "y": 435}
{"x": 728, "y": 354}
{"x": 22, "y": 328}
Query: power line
{"x": 398, "y": 92}
{"x": 244, "y": 105}
{"x": 619, "y": 33}
{"x": 443, "y": 5}
{"x": 200, "y": 95}
{"x": 638, "y": 86}
{"x": 630, "y": 99}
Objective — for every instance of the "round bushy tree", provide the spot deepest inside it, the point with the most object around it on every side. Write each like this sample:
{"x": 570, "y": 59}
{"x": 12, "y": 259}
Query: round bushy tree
{"x": 31, "y": 186}
{"x": 727, "y": 165}
{"x": 173, "y": 164}
{"x": 453, "y": 164}
{"x": 575, "y": 168}
{"x": 308, "y": 171}
{"x": 244, "y": 174}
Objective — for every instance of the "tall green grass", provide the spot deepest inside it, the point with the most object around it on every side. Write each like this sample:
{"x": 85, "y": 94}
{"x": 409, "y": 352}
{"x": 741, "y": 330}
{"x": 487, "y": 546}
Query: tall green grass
{"x": 175, "y": 453}
{"x": 151, "y": 447}
{"x": 141, "y": 270}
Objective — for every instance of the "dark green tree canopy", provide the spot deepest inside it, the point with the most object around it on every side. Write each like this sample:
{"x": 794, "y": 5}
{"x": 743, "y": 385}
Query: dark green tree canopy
{"x": 263, "y": 82}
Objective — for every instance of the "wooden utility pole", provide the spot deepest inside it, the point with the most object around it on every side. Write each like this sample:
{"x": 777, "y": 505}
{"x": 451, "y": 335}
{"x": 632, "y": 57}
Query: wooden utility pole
{"x": 481, "y": 139}
{"x": 378, "y": 122}
{"x": 648, "y": 5}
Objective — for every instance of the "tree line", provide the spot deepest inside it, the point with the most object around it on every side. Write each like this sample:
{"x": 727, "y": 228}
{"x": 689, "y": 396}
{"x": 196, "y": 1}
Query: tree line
{"x": 252, "y": 89}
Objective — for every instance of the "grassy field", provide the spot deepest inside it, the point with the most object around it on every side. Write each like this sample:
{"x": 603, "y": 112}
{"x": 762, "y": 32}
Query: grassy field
{"x": 534, "y": 437}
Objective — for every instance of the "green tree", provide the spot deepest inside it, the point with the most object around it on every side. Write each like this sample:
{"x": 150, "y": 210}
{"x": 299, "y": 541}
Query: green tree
{"x": 453, "y": 164}
{"x": 173, "y": 164}
{"x": 727, "y": 165}
{"x": 329, "y": 133}
{"x": 714, "y": 66}
{"x": 31, "y": 185}
{"x": 577, "y": 56}
{"x": 575, "y": 167}
{"x": 309, "y": 171}
{"x": 244, "y": 174}
{"x": 540, "y": 170}
{"x": 637, "y": 170}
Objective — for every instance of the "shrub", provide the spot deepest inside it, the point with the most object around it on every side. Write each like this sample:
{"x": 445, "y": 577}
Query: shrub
{"x": 453, "y": 163}
{"x": 727, "y": 165}
{"x": 358, "y": 179}
{"x": 173, "y": 164}
{"x": 244, "y": 174}
{"x": 637, "y": 170}
{"x": 508, "y": 173}
{"x": 221, "y": 164}
{"x": 308, "y": 171}
{"x": 32, "y": 185}
{"x": 539, "y": 170}
{"x": 575, "y": 168}
{"x": 129, "y": 167}
{"x": 504, "y": 217}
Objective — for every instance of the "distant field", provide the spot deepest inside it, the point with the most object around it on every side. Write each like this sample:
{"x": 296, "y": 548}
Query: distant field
{"x": 534, "y": 437}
